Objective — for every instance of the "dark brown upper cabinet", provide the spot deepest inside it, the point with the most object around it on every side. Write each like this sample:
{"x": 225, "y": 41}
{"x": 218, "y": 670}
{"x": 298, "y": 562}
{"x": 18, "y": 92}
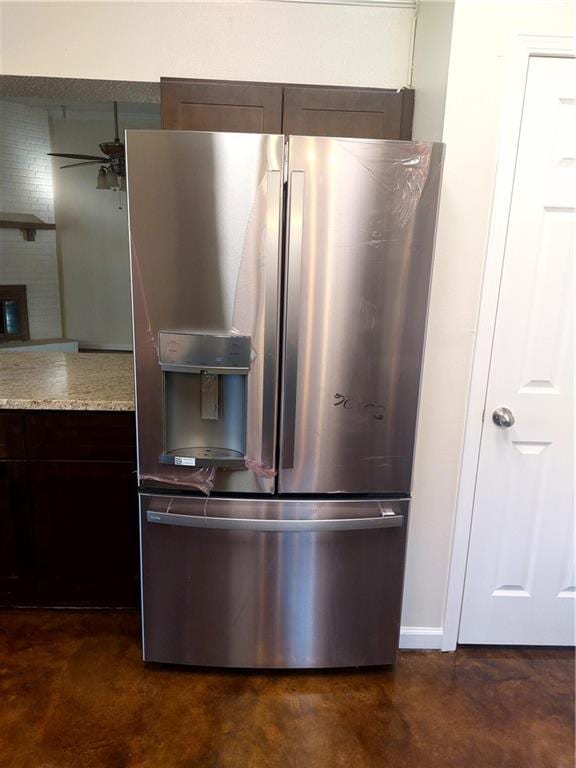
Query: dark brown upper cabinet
{"x": 307, "y": 110}
{"x": 349, "y": 112}
{"x": 202, "y": 105}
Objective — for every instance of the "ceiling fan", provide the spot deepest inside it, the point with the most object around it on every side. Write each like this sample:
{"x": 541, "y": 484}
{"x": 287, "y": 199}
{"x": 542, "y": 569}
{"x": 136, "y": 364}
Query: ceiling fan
{"x": 112, "y": 173}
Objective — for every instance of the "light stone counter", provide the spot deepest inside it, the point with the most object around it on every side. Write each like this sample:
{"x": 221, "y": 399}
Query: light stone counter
{"x": 66, "y": 381}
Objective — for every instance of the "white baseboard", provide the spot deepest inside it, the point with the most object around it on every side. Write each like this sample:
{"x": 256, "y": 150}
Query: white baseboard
{"x": 422, "y": 638}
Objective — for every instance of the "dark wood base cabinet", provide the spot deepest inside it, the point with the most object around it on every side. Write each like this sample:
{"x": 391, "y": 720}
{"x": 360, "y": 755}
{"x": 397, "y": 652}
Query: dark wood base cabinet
{"x": 68, "y": 509}
{"x": 15, "y": 532}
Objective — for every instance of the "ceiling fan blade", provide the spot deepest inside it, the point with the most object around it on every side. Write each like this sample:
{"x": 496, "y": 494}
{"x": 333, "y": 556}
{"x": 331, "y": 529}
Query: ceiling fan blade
{"x": 78, "y": 157}
{"x": 86, "y": 162}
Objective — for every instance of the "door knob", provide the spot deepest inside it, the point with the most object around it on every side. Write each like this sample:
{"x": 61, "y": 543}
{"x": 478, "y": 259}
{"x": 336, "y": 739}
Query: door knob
{"x": 503, "y": 417}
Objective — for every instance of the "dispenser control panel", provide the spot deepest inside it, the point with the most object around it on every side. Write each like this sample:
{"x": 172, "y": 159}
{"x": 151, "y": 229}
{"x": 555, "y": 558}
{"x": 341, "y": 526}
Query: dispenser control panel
{"x": 180, "y": 350}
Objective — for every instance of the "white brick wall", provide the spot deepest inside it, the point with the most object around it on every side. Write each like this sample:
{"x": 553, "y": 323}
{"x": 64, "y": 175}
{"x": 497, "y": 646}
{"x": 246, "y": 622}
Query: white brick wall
{"x": 26, "y": 187}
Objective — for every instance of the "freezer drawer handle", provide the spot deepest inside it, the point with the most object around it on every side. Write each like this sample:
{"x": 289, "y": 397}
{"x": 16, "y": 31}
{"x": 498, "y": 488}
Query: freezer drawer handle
{"x": 246, "y": 524}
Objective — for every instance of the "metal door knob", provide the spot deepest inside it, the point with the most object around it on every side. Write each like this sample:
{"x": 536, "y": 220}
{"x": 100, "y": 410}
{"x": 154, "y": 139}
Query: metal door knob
{"x": 503, "y": 417}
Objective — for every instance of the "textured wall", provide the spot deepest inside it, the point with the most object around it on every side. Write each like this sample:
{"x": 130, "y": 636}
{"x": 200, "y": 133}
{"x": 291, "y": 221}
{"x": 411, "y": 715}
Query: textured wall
{"x": 482, "y": 36}
{"x": 26, "y": 187}
{"x": 92, "y": 232}
{"x": 430, "y": 67}
{"x": 277, "y": 41}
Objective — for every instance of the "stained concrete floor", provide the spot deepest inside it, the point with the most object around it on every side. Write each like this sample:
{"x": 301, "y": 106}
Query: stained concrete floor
{"x": 75, "y": 694}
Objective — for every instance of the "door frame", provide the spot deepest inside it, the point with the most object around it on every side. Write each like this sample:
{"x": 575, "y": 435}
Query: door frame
{"x": 522, "y": 48}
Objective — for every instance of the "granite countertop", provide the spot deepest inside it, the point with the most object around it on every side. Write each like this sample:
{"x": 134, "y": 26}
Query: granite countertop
{"x": 67, "y": 381}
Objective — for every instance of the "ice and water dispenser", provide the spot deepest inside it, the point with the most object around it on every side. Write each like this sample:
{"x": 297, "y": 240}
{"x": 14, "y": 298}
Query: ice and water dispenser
{"x": 204, "y": 398}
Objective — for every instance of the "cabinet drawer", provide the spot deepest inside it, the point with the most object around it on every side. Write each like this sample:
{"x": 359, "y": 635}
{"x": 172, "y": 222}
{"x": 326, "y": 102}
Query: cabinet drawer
{"x": 78, "y": 435}
{"x": 12, "y": 436}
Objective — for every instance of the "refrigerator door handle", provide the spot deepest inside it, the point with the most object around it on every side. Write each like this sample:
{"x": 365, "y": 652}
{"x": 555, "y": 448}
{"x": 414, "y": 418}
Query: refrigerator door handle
{"x": 295, "y": 223}
{"x": 386, "y": 520}
{"x": 273, "y": 240}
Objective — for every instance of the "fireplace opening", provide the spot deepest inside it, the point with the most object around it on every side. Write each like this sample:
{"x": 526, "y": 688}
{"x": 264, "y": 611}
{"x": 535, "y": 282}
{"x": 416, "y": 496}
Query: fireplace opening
{"x": 13, "y": 313}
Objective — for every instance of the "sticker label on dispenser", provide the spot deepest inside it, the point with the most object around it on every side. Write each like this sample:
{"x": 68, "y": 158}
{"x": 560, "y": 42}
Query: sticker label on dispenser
{"x": 185, "y": 461}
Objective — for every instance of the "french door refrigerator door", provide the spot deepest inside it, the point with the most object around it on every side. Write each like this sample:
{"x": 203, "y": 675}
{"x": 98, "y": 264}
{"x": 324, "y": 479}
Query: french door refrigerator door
{"x": 205, "y": 231}
{"x": 270, "y": 582}
{"x": 360, "y": 236}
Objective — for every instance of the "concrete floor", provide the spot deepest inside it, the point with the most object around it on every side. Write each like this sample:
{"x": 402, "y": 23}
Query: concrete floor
{"x": 75, "y": 694}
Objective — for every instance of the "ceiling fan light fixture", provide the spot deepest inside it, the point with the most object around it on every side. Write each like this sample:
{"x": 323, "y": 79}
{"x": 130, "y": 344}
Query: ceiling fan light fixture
{"x": 112, "y": 162}
{"x": 102, "y": 180}
{"x": 113, "y": 182}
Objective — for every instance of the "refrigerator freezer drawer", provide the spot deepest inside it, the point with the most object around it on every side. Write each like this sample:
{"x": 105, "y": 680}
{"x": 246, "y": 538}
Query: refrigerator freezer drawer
{"x": 272, "y": 583}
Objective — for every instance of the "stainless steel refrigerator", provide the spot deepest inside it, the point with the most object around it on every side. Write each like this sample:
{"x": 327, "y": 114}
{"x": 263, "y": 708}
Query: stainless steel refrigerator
{"x": 280, "y": 289}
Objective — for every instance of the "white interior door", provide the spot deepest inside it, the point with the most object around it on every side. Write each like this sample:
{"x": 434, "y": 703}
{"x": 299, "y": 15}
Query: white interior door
{"x": 520, "y": 586}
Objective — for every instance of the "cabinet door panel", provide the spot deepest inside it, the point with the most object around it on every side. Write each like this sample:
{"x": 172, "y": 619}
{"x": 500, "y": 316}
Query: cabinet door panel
{"x": 12, "y": 436}
{"x": 86, "y": 532}
{"x": 14, "y": 531}
{"x": 348, "y": 112}
{"x": 197, "y": 105}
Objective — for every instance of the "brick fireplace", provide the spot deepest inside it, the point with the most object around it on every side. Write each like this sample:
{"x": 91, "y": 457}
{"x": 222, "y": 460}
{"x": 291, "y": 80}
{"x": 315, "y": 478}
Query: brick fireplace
{"x": 26, "y": 188}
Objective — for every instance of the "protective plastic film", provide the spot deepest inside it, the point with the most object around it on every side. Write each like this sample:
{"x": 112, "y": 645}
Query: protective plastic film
{"x": 361, "y": 220}
{"x": 401, "y": 174}
{"x": 205, "y": 233}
